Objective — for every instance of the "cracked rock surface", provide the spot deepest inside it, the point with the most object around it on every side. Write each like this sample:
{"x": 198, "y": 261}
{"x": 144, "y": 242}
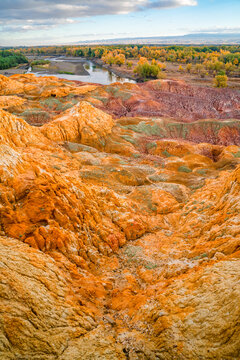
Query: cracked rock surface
{"x": 119, "y": 221}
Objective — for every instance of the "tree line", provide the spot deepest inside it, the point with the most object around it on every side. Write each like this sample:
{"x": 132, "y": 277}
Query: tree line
{"x": 151, "y": 60}
{"x": 175, "y": 53}
{"x": 10, "y": 59}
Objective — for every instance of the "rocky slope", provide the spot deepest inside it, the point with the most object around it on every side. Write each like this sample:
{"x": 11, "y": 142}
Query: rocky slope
{"x": 119, "y": 232}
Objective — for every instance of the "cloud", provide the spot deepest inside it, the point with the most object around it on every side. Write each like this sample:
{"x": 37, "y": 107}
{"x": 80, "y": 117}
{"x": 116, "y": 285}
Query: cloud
{"x": 27, "y": 20}
{"x": 170, "y": 4}
{"x": 34, "y": 25}
{"x": 217, "y": 30}
{"x": 214, "y": 30}
{"x": 59, "y": 9}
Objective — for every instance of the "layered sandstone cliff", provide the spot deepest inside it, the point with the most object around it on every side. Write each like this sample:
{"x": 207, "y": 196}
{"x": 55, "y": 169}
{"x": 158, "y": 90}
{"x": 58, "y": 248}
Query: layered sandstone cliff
{"x": 119, "y": 236}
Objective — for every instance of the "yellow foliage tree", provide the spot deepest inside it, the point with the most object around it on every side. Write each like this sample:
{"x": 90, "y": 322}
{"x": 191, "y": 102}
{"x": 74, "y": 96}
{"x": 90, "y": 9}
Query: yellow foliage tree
{"x": 220, "y": 81}
{"x": 189, "y": 68}
{"x": 119, "y": 59}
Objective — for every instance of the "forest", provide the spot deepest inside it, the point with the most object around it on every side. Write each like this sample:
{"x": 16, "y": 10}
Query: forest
{"x": 9, "y": 59}
{"x": 211, "y": 57}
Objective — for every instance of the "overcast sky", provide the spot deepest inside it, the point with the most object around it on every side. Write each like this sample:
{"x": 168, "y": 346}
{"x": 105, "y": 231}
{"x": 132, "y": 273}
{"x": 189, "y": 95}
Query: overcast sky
{"x": 45, "y": 22}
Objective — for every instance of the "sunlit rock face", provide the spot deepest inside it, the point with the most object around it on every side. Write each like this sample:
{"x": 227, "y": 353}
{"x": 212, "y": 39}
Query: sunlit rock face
{"x": 119, "y": 233}
{"x": 82, "y": 123}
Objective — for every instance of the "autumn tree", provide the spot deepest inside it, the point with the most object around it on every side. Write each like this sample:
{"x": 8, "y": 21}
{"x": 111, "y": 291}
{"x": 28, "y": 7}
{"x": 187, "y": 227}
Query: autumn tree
{"x": 199, "y": 68}
{"x": 236, "y": 61}
{"x": 119, "y": 59}
{"x": 220, "y": 81}
{"x": 229, "y": 67}
{"x": 129, "y": 64}
{"x": 161, "y": 66}
{"x": 108, "y": 58}
{"x": 180, "y": 68}
{"x": 189, "y": 68}
{"x": 146, "y": 70}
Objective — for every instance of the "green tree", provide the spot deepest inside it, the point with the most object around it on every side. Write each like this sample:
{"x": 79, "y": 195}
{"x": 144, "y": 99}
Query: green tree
{"x": 147, "y": 71}
{"x": 129, "y": 64}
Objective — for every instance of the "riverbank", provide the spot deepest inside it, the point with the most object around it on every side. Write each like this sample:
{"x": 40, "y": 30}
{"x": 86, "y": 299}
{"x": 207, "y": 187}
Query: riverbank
{"x": 77, "y": 69}
{"x": 171, "y": 72}
{"x": 122, "y": 72}
{"x": 74, "y": 65}
{"x": 62, "y": 67}
{"x": 118, "y": 71}
{"x": 21, "y": 69}
{"x": 71, "y": 66}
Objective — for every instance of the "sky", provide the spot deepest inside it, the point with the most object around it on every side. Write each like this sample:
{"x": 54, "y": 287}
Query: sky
{"x": 55, "y": 22}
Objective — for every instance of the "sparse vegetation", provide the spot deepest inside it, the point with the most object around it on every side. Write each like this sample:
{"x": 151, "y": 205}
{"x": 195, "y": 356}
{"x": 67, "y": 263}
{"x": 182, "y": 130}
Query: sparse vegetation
{"x": 184, "y": 169}
{"x": 66, "y": 72}
{"x": 166, "y": 153}
{"x": 40, "y": 62}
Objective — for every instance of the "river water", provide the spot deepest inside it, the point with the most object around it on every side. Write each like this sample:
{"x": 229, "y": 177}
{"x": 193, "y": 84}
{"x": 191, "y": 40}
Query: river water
{"x": 97, "y": 74}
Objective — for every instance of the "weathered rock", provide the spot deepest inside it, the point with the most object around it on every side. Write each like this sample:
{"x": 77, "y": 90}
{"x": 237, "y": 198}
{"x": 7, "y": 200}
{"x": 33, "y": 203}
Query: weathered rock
{"x": 83, "y": 123}
{"x": 9, "y": 101}
{"x": 9, "y": 86}
{"x": 39, "y": 312}
{"x": 119, "y": 238}
{"x": 16, "y": 132}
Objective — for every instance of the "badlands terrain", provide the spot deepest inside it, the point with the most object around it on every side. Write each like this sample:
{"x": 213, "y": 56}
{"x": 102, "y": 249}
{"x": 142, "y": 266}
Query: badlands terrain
{"x": 119, "y": 220}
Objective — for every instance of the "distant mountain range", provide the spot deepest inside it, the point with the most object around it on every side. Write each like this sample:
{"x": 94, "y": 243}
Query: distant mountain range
{"x": 189, "y": 39}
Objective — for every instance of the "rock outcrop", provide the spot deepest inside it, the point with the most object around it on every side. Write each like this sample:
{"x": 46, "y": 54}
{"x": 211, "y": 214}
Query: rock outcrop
{"x": 82, "y": 123}
{"x": 119, "y": 237}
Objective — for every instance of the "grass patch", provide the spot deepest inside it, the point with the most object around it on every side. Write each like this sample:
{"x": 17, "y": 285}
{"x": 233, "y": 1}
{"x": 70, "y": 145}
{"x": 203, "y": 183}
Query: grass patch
{"x": 158, "y": 178}
{"x": 202, "y": 171}
{"x": 103, "y": 99}
{"x": 151, "y": 145}
{"x": 237, "y": 154}
{"x": 66, "y": 72}
{"x": 149, "y": 265}
{"x": 184, "y": 169}
{"x": 204, "y": 255}
{"x": 131, "y": 251}
{"x": 166, "y": 153}
{"x": 129, "y": 139}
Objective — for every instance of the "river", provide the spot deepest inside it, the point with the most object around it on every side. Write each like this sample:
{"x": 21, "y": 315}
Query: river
{"x": 91, "y": 72}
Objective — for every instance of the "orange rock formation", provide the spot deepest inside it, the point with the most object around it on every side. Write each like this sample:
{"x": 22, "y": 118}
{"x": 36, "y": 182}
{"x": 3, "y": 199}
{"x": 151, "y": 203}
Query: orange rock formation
{"x": 119, "y": 237}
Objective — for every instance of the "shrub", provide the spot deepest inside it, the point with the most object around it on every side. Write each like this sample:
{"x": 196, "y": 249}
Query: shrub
{"x": 161, "y": 75}
{"x": 180, "y": 68}
{"x": 188, "y": 68}
{"x": 147, "y": 71}
{"x": 237, "y": 154}
{"x": 166, "y": 153}
{"x": 40, "y": 62}
{"x": 201, "y": 171}
{"x": 220, "y": 81}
